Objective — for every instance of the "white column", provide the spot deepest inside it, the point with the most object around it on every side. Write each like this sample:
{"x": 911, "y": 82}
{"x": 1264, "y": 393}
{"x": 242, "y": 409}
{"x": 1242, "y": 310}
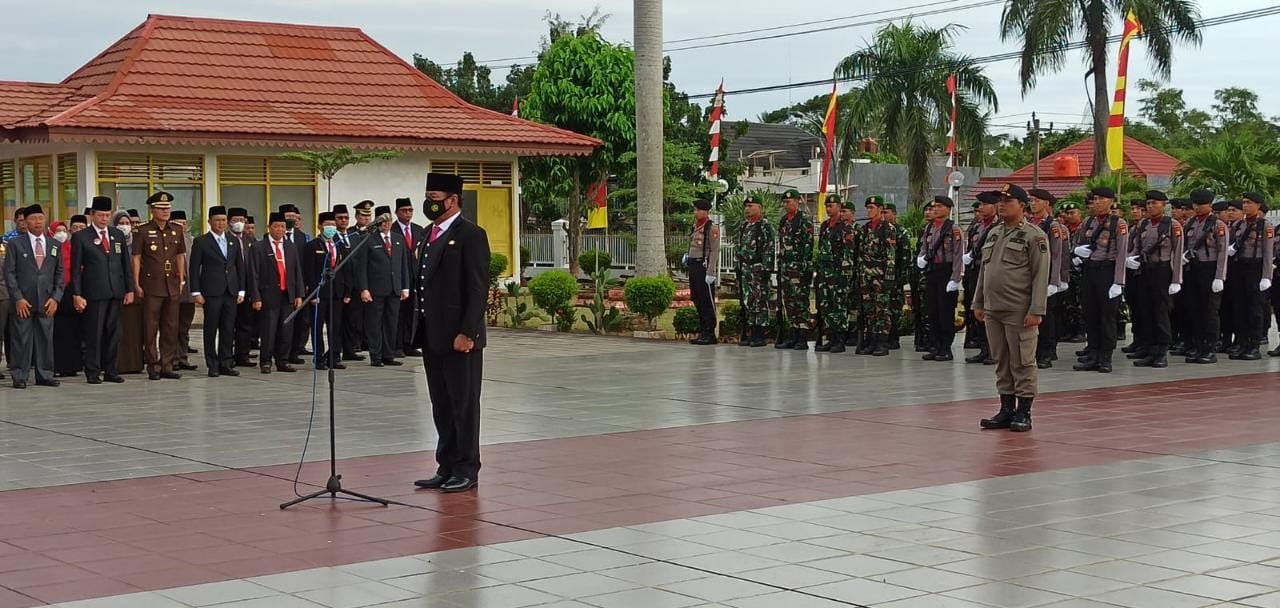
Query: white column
{"x": 515, "y": 218}
{"x": 560, "y": 243}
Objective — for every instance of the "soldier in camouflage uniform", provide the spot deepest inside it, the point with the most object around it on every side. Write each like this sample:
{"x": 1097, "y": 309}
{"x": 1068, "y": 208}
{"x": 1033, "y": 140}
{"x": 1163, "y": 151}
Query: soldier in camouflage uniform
{"x": 1072, "y": 314}
{"x": 903, "y": 275}
{"x": 795, "y": 272}
{"x": 835, "y": 238}
{"x": 853, "y": 318}
{"x": 877, "y": 245}
{"x": 754, "y": 257}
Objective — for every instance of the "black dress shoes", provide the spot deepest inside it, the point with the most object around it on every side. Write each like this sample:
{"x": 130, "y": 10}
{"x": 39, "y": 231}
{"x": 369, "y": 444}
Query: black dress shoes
{"x": 338, "y": 366}
{"x": 153, "y": 375}
{"x": 187, "y": 367}
{"x": 286, "y": 368}
{"x": 458, "y": 484}
{"x": 171, "y": 375}
{"x": 391, "y": 362}
{"x": 266, "y": 369}
{"x": 213, "y": 373}
{"x": 19, "y": 384}
{"x": 227, "y": 371}
{"x": 376, "y": 364}
{"x": 94, "y": 380}
{"x": 435, "y": 482}
{"x": 296, "y": 360}
{"x": 48, "y": 382}
{"x": 412, "y": 352}
{"x": 353, "y": 357}
{"x": 114, "y": 378}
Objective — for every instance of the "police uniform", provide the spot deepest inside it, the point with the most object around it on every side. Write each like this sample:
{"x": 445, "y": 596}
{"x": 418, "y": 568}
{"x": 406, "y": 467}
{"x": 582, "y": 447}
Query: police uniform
{"x": 1206, "y": 245}
{"x": 975, "y": 237}
{"x": 754, "y": 257}
{"x": 1012, "y": 285}
{"x": 941, "y": 256}
{"x": 703, "y": 263}
{"x": 1056, "y": 232}
{"x": 1106, "y": 239}
{"x": 1178, "y": 322}
{"x": 159, "y": 254}
{"x": 1252, "y": 267}
{"x": 1072, "y": 315}
{"x": 1155, "y": 259}
{"x": 795, "y": 276}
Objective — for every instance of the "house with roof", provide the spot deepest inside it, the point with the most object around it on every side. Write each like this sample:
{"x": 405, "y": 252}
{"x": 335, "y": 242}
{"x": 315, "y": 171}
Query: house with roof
{"x": 202, "y": 108}
{"x": 1061, "y": 172}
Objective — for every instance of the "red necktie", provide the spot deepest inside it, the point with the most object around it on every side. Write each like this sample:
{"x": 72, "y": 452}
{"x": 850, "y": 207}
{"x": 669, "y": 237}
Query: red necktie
{"x": 333, "y": 259}
{"x": 280, "y": 266}
{"x": 408, "y": 237}
{"x": 386, "y": 242}
{"x": 435, "y": 234}
{"x": 106, "y": 245}
{"x": 39, "y": 250}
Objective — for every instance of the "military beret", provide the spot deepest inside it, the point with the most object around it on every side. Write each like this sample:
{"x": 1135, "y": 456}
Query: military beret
{"x": 101, "y": 203}
{"x": 238, "y": 212}
{"x": 944, "y": 200}
{"x": 850, "y": 205}
{"x": 702, "y": 204}
{"x": 792, "y": 193}
{"x": 891, "y": 207}
{"x": 1138, "y": 202}
{"x": 990, "y": 196}
{"x": 160, "y": 200}
{"x": 79, "y": 219}
{"x": 1068, "y": 205}
{"x": 975, "y": 204}
{"x": 326, "y": 216}
{"x": 402, "y": 203}
{"x": 1043, "y": 195}
{"x": 289, "y": 208}
{"x": 1181, "y": 203}
{"x": 340, "y": 209}
{"x": 835, "y": 198}
{"x": 1015, "y": 191}
{"x": 874, "y": 199}
{"x": 1255, "y": 197}
{"x": 1220, "y": 206}
{"x": 179, "y": 214}
{"x": 444, "y": 182}
{"x": 1235, "y": 203}
{"x": 1201, "y": 196}
{"x": 750, "y": 199}
{"x": 1103, "y": 192}
{"x": 1156, "y": 195}
{"x": 216, "y": 210}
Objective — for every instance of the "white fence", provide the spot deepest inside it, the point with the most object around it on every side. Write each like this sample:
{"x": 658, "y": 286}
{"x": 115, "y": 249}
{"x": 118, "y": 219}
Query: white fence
{"x": 621, "y": 248}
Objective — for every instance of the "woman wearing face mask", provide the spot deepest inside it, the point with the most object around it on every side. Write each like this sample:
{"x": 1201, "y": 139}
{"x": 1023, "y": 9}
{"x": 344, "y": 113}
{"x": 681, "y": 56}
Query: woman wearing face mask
{"x": 68, "y": 340}
{"x": 130, "y": 359}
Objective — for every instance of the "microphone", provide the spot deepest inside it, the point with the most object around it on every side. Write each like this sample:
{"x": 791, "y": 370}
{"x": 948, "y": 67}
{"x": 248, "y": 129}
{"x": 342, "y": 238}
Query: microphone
{"x": 386, "y": 217}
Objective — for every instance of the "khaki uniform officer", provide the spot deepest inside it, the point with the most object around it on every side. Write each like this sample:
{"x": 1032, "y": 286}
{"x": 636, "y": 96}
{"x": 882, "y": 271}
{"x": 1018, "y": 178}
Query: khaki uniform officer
{"x": 160, "y": 272}
{"x": 1011, "y": 299}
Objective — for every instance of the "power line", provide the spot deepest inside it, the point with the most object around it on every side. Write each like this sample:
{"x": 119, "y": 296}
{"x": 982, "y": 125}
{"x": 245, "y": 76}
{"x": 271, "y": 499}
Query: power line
{"x": 1204, "y": 23}
{"x": 982, "y": 3}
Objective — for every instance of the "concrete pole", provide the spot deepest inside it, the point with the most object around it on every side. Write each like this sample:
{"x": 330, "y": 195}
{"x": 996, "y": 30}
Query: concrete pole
{"x": 651, "y": 258}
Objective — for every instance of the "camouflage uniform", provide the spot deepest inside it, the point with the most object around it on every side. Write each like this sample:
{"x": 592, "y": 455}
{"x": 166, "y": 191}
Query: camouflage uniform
{"x": 754, "y": 256}
{"x": 1072, "y": 313}
{"x": 877, "y": 268}
{"x": 795, "y": 274}
{"x": 835, "y": 240}
{"x": 901, "y": 279}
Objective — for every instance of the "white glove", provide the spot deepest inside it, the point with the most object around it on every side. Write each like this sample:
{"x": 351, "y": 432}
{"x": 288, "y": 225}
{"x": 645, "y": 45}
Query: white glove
{"x": 1231, "y": 249}
{"x": 684, "y": 260}
{"x": 1186, "y": 258}
{"x": 1217, "y": 286}
{"x": 921, "y": 263}
{"x": 711, "y": 280}
{"x": 1062, "y": 287}
{"x": 1077, "y": 262}
{"x": 1053, "y": 290}
{"x": 1132, "y": 263}
{"x": 953, "y": 286}
{"x": 1264, "y": 284}
{"x": 968, "y": 259}
{"x": 1175, "y": 288}
{"x": 1083, "y": 251}
{"x": 1115, "y": 291}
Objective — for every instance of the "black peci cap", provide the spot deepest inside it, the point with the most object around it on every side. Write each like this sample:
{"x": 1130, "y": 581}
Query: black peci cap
{"x": 326, "y": 216}
{"x": 101, "y": 203}
{"x": 216, "y": 210}
{"x": 402, "y": 203}
{"x": 79, "y": 219}
{"x": 238, "y": 212}
{"x": 275, "y": 216}
{"x": 444, "y": 182}
{"x": 383, "y": 210}
{"x": 340, "y": 208}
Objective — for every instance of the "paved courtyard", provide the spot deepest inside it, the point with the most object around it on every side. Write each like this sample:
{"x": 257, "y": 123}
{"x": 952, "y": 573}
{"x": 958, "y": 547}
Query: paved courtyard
{"x": 624, "y": 473}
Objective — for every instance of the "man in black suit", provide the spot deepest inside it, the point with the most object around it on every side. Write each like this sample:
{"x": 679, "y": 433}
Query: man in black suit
{"x": 218, "y": 284}
{"x": 452, "y": 288}
{"x": 382, "y": 280}
{"x": 101, "y": 278}
{"x": 245, "y": 327}
{"x": 276, "y": 290}
{"x": 413, "y": 235}
{"x": 302, "y": 325}
{"x": 322, "y": 254}
{"x": 33, "y": 273}
{"x": 352, "y": 315}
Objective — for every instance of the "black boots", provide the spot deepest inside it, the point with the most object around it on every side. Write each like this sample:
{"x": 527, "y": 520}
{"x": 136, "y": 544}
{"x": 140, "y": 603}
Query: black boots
{"x": 1248, "y": 351}
{"x": 1022, "y": 416}
{"x": 801, "y": 339}
{"x": 757, "y": 336}
{"x": 1002, "y": 418}
{"x": 880, "y": 346}
{"x": 837, "y": 344}
{"x": 704, "y": 339}
{"x": 865, "y": 345}
{"x": 784, "y": 341}
{"x": 1094, "y": 362}
{"x": 1104, "y": 362}
{"x": 1155, "y": 358}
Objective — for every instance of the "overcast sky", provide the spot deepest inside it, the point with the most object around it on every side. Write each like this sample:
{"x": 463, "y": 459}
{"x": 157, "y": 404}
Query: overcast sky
{"x": 52, "y": 38}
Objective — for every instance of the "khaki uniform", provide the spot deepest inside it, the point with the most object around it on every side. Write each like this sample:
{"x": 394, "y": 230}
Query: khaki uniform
{"x": 1013, "y": 282}
{"x": 704, "y": 263}
{"x": 160, "y": 255}
{"x": 1206, "y": 246}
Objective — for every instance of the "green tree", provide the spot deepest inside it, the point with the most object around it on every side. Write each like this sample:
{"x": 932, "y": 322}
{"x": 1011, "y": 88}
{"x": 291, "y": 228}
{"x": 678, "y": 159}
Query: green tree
{"x": 327, "y": 163}
{"x": 584, "y": 84}
{"x": 905, "y": 69}
{"x": 1232, "y": 165}
{"x": 1046, "y": 28}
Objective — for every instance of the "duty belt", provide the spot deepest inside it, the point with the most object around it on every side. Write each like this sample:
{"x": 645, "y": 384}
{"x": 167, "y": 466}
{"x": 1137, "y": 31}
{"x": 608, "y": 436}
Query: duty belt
{"x": 1099, "y": 263}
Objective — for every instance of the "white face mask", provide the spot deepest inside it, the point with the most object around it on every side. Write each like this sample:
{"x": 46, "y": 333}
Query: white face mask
{"x": 60, "y": 236}
{"x": 237, "y": 227}
{"x": 125, "y": 228}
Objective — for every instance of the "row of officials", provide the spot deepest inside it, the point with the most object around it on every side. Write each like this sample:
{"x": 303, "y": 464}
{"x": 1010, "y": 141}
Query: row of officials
{"x": 107, "y": 294}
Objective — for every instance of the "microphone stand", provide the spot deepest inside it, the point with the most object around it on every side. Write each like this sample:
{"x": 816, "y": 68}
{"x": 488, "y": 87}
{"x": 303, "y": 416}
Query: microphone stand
{"x": 333, "y": 487}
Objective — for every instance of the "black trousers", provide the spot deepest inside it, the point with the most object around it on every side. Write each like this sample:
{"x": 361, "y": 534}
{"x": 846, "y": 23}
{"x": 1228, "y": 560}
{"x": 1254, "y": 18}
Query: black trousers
{"x": 406, "y": 327}
{"x": 453, "y": 382}
{"x": 1250, "y": 308}
{"x": 301, "y": 332}
{"x": 219, "y": 330}
{"x": 186, "y": 316}
{"x": 1047, "y": 338}
{"x": 702, "y": 299}
{"x": 1135, "y": 295}
{"x": 942, "y": 308}
{"x": 1100, "y": 311}
{"x": 1178, "y": 318}
{"x": 1202, "y": 306}
{"x": 334, "y": 331}
{"x": 973, "y": 328}
{"x": 1156, "y": 307}
{"x": 101, "y": 337}
{"x": 1274, "y": 295}
{"x": 353, "y": 334}
{"x": 246, "y": 328}
{"x": 381, "y": 317}
{"x": 276, "y": 337}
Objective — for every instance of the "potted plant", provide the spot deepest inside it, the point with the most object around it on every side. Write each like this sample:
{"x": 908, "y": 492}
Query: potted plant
{"x": 649, "y": 297}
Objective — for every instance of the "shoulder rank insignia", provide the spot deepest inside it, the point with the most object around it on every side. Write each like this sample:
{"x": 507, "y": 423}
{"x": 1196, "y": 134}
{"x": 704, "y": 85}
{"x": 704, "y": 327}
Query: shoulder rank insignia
{"x": 1222, "y": 229}
{"x": 1044, "y": 244}
{"x": 955, "y": 233}
{"x": 1123, "y": 228}
{"x": 1271, "y": 232}
{"x": 1177, "y": 229}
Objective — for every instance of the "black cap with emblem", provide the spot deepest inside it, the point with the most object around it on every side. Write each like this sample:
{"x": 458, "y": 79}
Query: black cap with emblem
{"x": 944, "y": 200}
{"x": 160, "y": 200}
{"x": 1016, "y": 192}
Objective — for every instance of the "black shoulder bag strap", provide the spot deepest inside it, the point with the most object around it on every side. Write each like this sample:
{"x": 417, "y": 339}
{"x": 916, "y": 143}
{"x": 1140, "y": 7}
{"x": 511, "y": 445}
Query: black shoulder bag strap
{"x": 706, "y": 242}
{"x": 1162, "y": 234}
{"x": 1111, "y": 225}
{"x": 944, "y": 234}
{"x": 1209, "y": 225}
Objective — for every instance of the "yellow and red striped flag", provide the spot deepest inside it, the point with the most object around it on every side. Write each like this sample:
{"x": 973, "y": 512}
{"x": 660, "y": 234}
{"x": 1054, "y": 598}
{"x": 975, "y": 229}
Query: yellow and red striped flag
{"x": 598, "y": 212}
{"x": 1115, "y": 125}
{"x": 829, "y": 130}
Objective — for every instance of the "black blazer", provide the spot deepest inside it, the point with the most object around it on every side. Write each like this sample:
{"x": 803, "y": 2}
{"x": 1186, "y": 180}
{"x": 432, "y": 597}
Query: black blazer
{"x": 264, "y": 285}
{"x": 382, "y": 274}
{"x": 95, "y": 274}
{"x": 25, "y": 281}
{"x": 315, "y": 258}
{"x": 418, "y": 232}
{"x": 212, "y": 275}
{"x": 452, "y": 287}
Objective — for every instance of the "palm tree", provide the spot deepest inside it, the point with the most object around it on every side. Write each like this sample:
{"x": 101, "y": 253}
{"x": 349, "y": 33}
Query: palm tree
{"x": 906, "y": 68}
{"x": 1047, "y": 27}
{"x": 651, "y": 258}
{"x": 1231, "y": 165}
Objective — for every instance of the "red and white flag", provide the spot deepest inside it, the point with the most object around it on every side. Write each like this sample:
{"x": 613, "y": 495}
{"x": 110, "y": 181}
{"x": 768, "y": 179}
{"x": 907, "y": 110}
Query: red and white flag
{"x": 515, "y": 107}
{"x": 717, "y": 110}
{"x": 951, "y": 137}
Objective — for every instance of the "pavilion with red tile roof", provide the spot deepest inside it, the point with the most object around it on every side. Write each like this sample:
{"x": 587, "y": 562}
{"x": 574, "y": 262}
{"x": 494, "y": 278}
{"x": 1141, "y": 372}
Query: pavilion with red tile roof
{"x": 203, "y": 107}
{"x": 1058, "y": 177}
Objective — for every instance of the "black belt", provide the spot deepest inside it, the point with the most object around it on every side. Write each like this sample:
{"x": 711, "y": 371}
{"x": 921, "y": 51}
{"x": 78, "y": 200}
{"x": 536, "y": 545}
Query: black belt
{"x": 697, "y": 260}
{"x": 1099, "y": 264}
{"x": 1155, "y": 264}
{"x": 1248, "y": 262}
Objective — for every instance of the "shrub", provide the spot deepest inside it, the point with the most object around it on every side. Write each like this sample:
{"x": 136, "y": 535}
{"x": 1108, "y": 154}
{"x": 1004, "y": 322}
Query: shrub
{"x": 675, "y": 258}
{"x": 649, "y": 297}
{"x": 730, "y": 318}
{"x": 497, "y": 265}
{"x": 588, "y": 260}
{"x": 493, "y": 308}
{"x": 687, "y": 322}
{"x": 518, "y": 311}
{"x": 554, "y": 292}
{"x": 526, "y": 259}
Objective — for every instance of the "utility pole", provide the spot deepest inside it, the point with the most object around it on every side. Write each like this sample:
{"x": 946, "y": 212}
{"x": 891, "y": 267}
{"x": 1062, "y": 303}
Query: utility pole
{"x": 1033, "y": 131}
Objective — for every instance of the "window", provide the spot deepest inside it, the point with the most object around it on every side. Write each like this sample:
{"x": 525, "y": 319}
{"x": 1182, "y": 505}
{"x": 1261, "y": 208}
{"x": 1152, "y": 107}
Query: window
{"x": 263, "y": 184}
{"x": 35, "y": 183}
{"x": 9, "y": 191}
{"x": 130, "y": 178}
{"x": 476, "y": 172}
{"x": 68, "y": 186}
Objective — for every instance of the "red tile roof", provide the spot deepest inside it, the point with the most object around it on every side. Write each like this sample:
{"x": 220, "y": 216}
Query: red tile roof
{"x": 192, "y": 80}
{"x": 1140, "y": 160}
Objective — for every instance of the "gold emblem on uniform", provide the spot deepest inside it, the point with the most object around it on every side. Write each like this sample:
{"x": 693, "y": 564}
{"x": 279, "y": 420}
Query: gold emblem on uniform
{"x": 155, "y": 247}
